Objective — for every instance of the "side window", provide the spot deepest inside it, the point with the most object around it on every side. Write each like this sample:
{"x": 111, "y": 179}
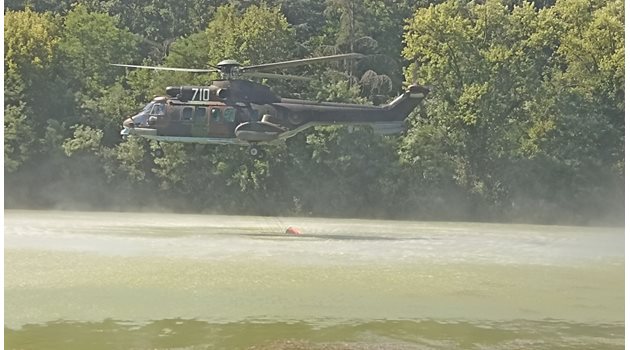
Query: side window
{"x": 229, "y": 115}
{"x": 187, "y": 113}
{"x": 200, "y": 115}
{"x": 215, "y": 114}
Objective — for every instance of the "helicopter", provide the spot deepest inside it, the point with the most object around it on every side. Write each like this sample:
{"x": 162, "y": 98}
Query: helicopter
{"x": 236, "y": 111}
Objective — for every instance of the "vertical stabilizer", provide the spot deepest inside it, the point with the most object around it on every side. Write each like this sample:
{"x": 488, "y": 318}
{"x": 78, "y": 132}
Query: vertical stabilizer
{"x": 400, "y": 108}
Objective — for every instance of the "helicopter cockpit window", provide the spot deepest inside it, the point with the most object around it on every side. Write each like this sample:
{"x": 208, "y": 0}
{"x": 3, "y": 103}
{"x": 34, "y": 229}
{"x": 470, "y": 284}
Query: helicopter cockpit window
{"x": 158, "y": 109}
{"x": 187, "y": 113}
{"x": 229, "y": 115}
{"x": 148, "y": 107}
{"x": 215, "y": 114}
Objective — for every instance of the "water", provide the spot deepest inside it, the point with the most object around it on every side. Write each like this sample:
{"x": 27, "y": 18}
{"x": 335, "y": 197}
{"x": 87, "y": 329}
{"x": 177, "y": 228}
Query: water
{"x": 77, "y": 280}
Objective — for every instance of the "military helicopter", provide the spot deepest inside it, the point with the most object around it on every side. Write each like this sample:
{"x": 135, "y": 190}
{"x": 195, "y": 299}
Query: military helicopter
{"x": 237, "y": 111}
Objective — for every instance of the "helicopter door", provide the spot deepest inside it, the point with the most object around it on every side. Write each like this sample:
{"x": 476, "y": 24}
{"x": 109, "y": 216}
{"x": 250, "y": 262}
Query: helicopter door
{"x": 180, "y": 121}
{"x": 219, "y": 127}
{"x": 156, "y": 115}
{"x": 229, "y": 118}
{"x": 200, "y": 122}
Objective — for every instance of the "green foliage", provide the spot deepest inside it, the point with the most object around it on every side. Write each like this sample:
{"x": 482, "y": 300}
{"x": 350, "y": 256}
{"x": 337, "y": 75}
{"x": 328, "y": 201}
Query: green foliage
{"x": 350, "y": 168}
{"x": 53, "y": 6}
{"x": 106, "y": 112}
{"x": 518, "y": 85}
{"x": 339, "y": 91}
{"x": 485, "y": 69}
{"x": 85, "y": 139}
{"x": 30, "y": 46}
{"x": 261, "y": 34}
{"x": 525, "y": 120}
{"x": 29, "y": 40}
{"x": 158, "y": 21}
{"x": 18, "y": 137}
{"x": 90, "y": 42}
{"x": 306, "y": 17}
{"x": 190, "y": 52}
{"x": 127, "y": 160}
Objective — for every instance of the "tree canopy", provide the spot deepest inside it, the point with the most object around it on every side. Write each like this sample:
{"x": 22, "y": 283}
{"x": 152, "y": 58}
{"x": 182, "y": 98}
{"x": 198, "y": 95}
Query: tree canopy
{"x": 525, "y": 120}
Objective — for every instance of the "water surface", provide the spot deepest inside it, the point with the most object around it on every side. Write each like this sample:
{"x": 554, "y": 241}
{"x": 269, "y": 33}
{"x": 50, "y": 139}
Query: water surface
{"x": 145, "y": 281}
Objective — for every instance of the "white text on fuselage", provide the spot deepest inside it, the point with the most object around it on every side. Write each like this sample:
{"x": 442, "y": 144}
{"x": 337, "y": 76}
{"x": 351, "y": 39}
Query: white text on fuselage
{"x": 201, "y": 94}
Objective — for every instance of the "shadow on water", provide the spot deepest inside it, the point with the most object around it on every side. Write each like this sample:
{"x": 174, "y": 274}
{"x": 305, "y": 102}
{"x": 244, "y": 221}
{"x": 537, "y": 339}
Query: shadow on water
{"x": 246, "y": 232}
{"x": 380, "y": 334}
{"x": 335, "y": 237}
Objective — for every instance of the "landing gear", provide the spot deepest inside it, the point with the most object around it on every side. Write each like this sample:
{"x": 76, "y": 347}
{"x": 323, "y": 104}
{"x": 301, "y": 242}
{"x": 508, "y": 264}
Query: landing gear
{"x": 255, "y": 152}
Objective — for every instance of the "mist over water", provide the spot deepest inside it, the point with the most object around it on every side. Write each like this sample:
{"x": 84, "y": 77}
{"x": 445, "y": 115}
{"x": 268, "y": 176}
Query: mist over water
{"x": 140, "y": 280}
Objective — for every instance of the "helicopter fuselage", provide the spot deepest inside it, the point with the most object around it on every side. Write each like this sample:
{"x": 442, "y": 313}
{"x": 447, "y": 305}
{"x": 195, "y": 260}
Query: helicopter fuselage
{"x": 209, "y": 114}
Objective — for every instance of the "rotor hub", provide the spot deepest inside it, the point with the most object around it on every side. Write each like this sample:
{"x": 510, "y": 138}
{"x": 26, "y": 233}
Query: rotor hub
{"x": 229, "y": 69}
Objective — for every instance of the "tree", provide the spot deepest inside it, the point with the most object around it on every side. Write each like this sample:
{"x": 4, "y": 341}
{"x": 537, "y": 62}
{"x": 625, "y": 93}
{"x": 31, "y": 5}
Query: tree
{"x": 90, "y": 42}
{"x": 39, "y": 6}
{"x": 509, "y": 96}
{"x": 525, "y": 120}
{"x": 30, "y": 47}
{"x": 583, "y": 107}
{"x": 307, "y": 18}
{"x": 261, "y": 34}
{"x": 158, "y": 21}
{"x": 373, "y": 28}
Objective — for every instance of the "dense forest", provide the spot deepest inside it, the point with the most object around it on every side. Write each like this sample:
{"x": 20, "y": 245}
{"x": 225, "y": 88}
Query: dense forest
{"x": 525, "y": 121}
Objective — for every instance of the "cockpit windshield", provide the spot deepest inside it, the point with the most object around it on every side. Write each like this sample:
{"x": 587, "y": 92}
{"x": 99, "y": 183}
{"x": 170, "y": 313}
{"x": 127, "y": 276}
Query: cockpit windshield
{"x": 141, "y": 119}
{"x": 147, "y": 108}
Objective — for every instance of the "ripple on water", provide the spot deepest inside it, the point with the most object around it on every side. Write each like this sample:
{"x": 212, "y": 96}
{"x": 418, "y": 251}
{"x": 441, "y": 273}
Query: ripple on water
{"x": 327, "y": 334}
{"x": 343, "y": 284}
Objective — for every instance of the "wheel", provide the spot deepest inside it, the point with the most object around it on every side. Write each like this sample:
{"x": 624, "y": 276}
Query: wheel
{"x": 256, "y": 152}
{"x": 253, "y": 151}
{"x": 296, "y": 119}
{"x": 159, "y": 153}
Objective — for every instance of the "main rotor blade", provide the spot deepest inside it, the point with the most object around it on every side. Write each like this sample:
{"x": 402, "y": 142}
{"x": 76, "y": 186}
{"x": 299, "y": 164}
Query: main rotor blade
{"x": 276, "y": 76}
{"x": 192, "y": 70}
{"x": 303, "y": 61}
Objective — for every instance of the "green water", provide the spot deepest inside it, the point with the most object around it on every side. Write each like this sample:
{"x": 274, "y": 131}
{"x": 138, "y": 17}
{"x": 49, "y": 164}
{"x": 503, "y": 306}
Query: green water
{"x": 78, "y": 280}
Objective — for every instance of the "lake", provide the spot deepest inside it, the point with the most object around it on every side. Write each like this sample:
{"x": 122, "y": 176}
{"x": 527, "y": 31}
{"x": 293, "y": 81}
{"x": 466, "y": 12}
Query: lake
{"x": 79, "y": 280}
